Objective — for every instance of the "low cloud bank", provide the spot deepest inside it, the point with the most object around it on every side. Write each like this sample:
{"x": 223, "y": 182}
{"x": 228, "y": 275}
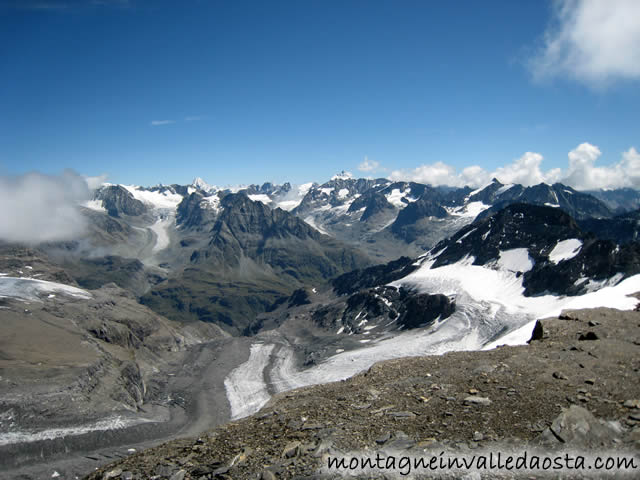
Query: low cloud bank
{"x": 581, "y": 173}
{"x": 36, "y": 208}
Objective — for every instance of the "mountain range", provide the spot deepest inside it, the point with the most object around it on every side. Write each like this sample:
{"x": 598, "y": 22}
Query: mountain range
{"x": 265, "y": 288}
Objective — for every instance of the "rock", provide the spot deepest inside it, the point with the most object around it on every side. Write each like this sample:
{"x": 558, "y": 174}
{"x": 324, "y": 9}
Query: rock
{"x": 474, "y": 391}
{"x": 126, "y": 476}
{"x": 559, "y": 376}
{"x": 537, "y": 333}
{"x": 632, "y": 403}
{"x": 384, "y": 438}
{"x": 593, "y": 323}
{"x": 179, "y": 475}
{"x": 577, "y": 427}
{"x": 401, "y": 414}
{"x": 477, "y": 437}
{"x": 588, "y": 336}
{"x": 267, "y": 475}
{"x": 115, "y": 473}
{"x": 590, "y": 381}
{"x": 292, "y": 449}
{"x": 477, "y": 401}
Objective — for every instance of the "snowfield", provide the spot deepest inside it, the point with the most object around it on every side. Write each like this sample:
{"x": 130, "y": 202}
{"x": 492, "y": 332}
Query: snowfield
{"x": 32, "y": 289}
{"x": 160, "y": 200}
{"x": 245, "y": 385}
{"x": 160, "y": 228}
{"x": 565, "y": 250}
{"x": 491, "y": 310}
{"x": 113, "y": 423}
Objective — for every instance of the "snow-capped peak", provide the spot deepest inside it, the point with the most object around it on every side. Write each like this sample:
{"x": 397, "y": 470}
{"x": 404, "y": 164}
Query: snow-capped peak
{"x": 343, "y": 176}
{"x": 202, "y": 185}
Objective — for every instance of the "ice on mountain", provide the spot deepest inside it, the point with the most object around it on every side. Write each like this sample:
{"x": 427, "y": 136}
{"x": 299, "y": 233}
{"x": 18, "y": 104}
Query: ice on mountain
{"x": 157, "y": 199}
{"x": 565, "y": 250}
{"x": 96, "y": 205}
{"x": 261, "y": 197}
{"x": 515, "y": 260}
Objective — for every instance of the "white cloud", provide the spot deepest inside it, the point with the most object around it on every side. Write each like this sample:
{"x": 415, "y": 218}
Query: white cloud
{"x": 368, "y": 165}
{"x": 437, "y": 173}
{"x": 193, "y": 118}
{"x": 581, "y": 173}
{"x": 526, "y": 171}
{"x": 95, "y": 182}
{"x": 36, "y": 208}
{"x": 155, "y": 123}
{"x": 592, "y": 41}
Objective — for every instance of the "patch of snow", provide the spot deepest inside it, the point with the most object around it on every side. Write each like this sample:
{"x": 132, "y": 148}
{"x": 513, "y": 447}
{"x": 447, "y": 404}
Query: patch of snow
{"x": 340, "y": 330}
{"x": 212, "y": 202}
{"x": 565, "y": 250}
{"x": 343, "y": 192}
{"x": 310, "y": 221}
{"x": 343, "y": 176}
{"x": 157, "y": 199}
{"x": 569, "y": 192}
{"x": 554, "y": 205}
{"x": 161, "y": 229}
{"x": 96, "y": 205}
{"x": 486, "y": 234}
{"x": 515, "y": 260}
{"x": 396, "y": 196}
{"x": 261, "y": 197}
{"x": 245, "y": 385}
{"x": 31, "y": 289}
{"x": 504, "y": 188}
{"x": 202, "y": 185}
{"x": 466, "y": 235}
{"x": 112, "y": 423}
{"x": 471, "y": 209}
{"x": 327, "y": 191}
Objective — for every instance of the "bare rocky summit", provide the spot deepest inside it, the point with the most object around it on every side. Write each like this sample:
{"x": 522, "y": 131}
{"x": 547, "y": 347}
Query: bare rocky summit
{"x": 576, "y": 385}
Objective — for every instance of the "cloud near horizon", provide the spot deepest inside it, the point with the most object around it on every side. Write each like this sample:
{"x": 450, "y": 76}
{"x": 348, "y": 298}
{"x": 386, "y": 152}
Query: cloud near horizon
{"x": 368, "y": 165}
{"x": 593, "y": 41}
{"x": 581, "y": 173}
{"x": 36, "y": 208}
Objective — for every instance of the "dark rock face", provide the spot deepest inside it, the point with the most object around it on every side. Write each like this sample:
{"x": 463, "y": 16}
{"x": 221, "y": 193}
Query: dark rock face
{"x": 373, "y": 276}
{"x": 622, "y": 229}
{"x": 430, "y": 204}
{"x": 539, "y": 229}
{"x": 516, "y": 226}
{"x": 117, "y": 200}
{"x": 383, "y": 305}
{"x": 194, "y": 212}
{"x": 423, "y": 309}
{"x": 373, "y": 202}
{"x": 577, "y": 204}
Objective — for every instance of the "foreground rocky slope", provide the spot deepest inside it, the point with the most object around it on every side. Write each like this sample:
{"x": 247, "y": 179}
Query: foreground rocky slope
{"x": 579, "y": 369}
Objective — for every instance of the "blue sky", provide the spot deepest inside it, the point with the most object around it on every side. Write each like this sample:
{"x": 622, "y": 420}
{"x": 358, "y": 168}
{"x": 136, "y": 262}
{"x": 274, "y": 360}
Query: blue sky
{"x": 247, "y": 92}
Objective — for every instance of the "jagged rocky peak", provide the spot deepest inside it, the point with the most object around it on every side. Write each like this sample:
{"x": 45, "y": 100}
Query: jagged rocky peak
{"x": 200, "y": 184}
{"x": 545, "y": 245}
{"x": 117, "y": 201}
{"x": 518, "y": 225}
{"x": 198, "y": 211}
